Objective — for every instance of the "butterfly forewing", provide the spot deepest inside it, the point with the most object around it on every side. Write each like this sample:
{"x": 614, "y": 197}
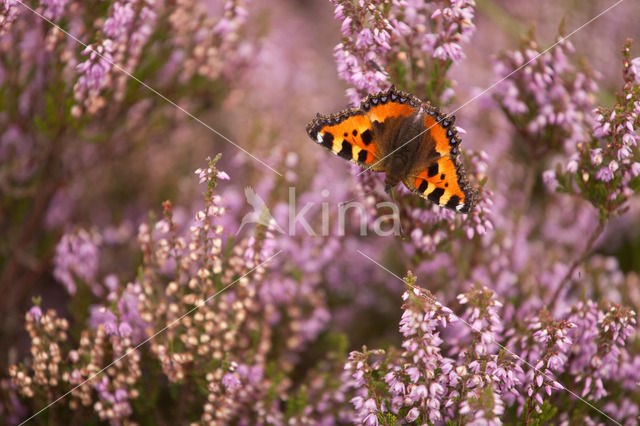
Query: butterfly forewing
{"x": 347, "y": 134}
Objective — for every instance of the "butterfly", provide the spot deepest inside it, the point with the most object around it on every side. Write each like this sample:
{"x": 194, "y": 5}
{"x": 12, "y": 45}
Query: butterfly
{"x": 409, "y": 140}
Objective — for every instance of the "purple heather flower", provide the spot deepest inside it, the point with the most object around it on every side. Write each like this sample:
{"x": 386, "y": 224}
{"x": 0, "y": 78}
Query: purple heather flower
{"x": 54, "y": 8}
{"x": 129, "y": 312}
{"x": 76, "y": 256}
{"x": 117, "y": 25}
{"x": 596, "y": 156}
{"x": 35, "y": 312}
{"x": 635, "y": 69}
{"x": 551, "y": 87}
{"x": 231, "y": 382}
{"x": 124, "y": 329}
{"x": 604, "y": 174}
{"x": 412, "y": 414}
{"x": 111, "y": 282}
{"x": 121, "y": 395}
{"x": 99, "y": 315}
{"x": 93, "y": 71}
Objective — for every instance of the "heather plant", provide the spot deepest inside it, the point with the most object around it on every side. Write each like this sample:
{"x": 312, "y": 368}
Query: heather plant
{"x": 78, "y": 105}
{"x": 520, "y": 312}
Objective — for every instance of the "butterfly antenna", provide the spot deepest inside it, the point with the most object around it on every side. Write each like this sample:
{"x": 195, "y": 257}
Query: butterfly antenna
{"x": 377, "y": 66}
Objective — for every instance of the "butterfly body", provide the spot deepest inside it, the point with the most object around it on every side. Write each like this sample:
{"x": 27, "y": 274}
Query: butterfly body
{"x": 410, "y": 141}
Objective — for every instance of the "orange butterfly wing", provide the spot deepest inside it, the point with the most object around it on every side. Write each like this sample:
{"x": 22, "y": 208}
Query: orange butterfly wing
{"x": 444, "y": 180}
{"x": 390, "y": 104}
{"x": 348, "y": 134}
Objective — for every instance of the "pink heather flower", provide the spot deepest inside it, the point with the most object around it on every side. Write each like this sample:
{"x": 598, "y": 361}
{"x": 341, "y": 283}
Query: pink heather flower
{"x": 635, "y": 69}
{"x": 556, "y": 362}
{"x": 128, "y": 311}
{"x": 596, "y": 156}
{"x": 572, "y": 164}
{"x": 451, "y": 51}
{"x": 124, "y": 329}
{"x": 635, "y": 169}
{"x": 556, "y": 90}
{"x": 222, "y": 175}
{"x": 35, "y": 312}
{"x": 54, "y": 8}
{"x": 630, "y": 139}
{"x": 119, "y": 23}
{"x": 371, "y": 420}
{"x": 93, "y": 71}
{"x": 121, "y": 394}
{"x": 412, "y": 414}
{"x": 370, "y": 405}
{"x": 357, "y": 402}
{"x": 231, "y": 382}
{"x": 601, "y": 129}
{"x": 99, "y": 315}
{"x": 549, "y": 178}
{"x": 111, "y": 282}
{"x": 604, "y": 174}
{"x": 76, "y": 256}
{"x": 624, "y": 151}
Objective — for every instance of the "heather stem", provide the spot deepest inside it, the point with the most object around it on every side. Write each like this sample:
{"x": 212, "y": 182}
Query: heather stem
{"x": 587, "y": 250}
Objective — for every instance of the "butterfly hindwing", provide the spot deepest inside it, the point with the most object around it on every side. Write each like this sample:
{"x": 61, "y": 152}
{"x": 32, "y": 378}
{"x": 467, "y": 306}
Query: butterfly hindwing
{"x": 348, "y": 134}
{"x": 443, "y": 183}
{"x": 441, "y": 177}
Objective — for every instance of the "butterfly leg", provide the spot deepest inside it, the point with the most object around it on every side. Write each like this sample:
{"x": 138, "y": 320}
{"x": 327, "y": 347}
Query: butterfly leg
{"x": 389, "y": 183}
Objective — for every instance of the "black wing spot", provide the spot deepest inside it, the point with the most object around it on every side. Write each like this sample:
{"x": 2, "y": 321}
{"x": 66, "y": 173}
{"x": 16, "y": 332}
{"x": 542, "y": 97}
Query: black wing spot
{"x": 442, "y": 176}
{"x": 347, "y": 151}
{"x": 367, "y": 137}
{"x": 346, "y": 134}
{"x": 435, "y": 195}
{"x": 453, "y": 202}
{"x": 432, "y": 170}
{"x": 355, "y": 133}
{"x": 423, "y": 186}
{"x": 327, "y": 140}
{"x": 362, "y": 156}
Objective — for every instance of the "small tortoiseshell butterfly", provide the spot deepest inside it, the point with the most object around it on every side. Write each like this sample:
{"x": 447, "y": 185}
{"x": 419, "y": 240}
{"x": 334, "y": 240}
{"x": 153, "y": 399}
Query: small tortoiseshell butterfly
{"x": 377, "y": 136}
